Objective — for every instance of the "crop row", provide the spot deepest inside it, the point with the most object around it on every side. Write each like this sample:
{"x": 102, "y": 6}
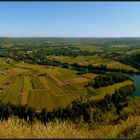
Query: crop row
{"x": 37, "y": 83}
{"x": 13, "y": 92}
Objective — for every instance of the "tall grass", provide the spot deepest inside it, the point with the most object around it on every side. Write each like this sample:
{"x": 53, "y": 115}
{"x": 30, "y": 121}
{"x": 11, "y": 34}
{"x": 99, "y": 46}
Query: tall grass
{"x": 15, "y": 128}
{"x": 126, "y": 129}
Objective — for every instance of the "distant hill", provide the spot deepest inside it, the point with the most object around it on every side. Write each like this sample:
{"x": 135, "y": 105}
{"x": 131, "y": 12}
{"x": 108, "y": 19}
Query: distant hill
{"x": 131, "y": 41}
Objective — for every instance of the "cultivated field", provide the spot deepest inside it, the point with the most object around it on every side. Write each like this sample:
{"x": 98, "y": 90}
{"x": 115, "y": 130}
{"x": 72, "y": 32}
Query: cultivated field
{"x": 23, "y": 83}
{"x": 93, "y": 60}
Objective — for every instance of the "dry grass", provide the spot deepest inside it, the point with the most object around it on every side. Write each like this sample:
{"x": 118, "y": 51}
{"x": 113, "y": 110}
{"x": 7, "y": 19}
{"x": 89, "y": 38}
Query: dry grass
{"x": 15, "y": 128}
{"x": 126, "y": 129}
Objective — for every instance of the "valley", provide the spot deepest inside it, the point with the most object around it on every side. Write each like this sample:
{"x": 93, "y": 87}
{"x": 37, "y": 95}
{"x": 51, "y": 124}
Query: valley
{"x": 49, "y": 80}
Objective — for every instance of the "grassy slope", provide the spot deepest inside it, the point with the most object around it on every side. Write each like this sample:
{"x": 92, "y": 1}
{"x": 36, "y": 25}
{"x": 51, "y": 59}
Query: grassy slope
{"x": 101, "y": 92}
{"x": 126, "y": 129}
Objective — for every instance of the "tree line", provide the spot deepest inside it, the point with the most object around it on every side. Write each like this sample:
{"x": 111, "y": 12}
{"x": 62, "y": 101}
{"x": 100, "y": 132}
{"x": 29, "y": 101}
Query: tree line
{"x": 108, "y": 79}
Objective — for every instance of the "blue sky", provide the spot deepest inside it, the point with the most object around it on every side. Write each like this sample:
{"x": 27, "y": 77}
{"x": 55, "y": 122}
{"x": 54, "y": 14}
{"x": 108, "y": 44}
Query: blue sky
{"x": 70, "y": 19}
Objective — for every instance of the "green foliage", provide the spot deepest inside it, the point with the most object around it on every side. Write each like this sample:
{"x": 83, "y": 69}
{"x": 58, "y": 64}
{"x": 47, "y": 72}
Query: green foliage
{"x": 108, "y": 79}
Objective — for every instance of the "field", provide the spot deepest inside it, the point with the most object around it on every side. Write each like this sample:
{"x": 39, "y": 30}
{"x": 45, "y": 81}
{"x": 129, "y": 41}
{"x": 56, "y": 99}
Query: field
{"x": 22, "y": 83}
{"x": 101, "y": 92}
{"x": 117, "y": 64}
{"x": 93, "y": 60}
{"x": 89, "y": 48}
{"x": 83, "y": 60}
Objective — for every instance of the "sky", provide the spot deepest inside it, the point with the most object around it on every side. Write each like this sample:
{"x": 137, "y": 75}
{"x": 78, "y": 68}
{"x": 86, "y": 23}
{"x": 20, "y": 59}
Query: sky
{"x": 70, "y": 19}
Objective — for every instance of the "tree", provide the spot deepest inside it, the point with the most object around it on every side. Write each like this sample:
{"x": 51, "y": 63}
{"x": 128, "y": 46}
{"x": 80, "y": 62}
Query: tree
{"x": 31, "y": 114}
{"x": 43, "y": 116}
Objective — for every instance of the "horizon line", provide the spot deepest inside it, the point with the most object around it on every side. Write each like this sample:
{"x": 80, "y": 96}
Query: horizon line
{"x": 67, "y": 37}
